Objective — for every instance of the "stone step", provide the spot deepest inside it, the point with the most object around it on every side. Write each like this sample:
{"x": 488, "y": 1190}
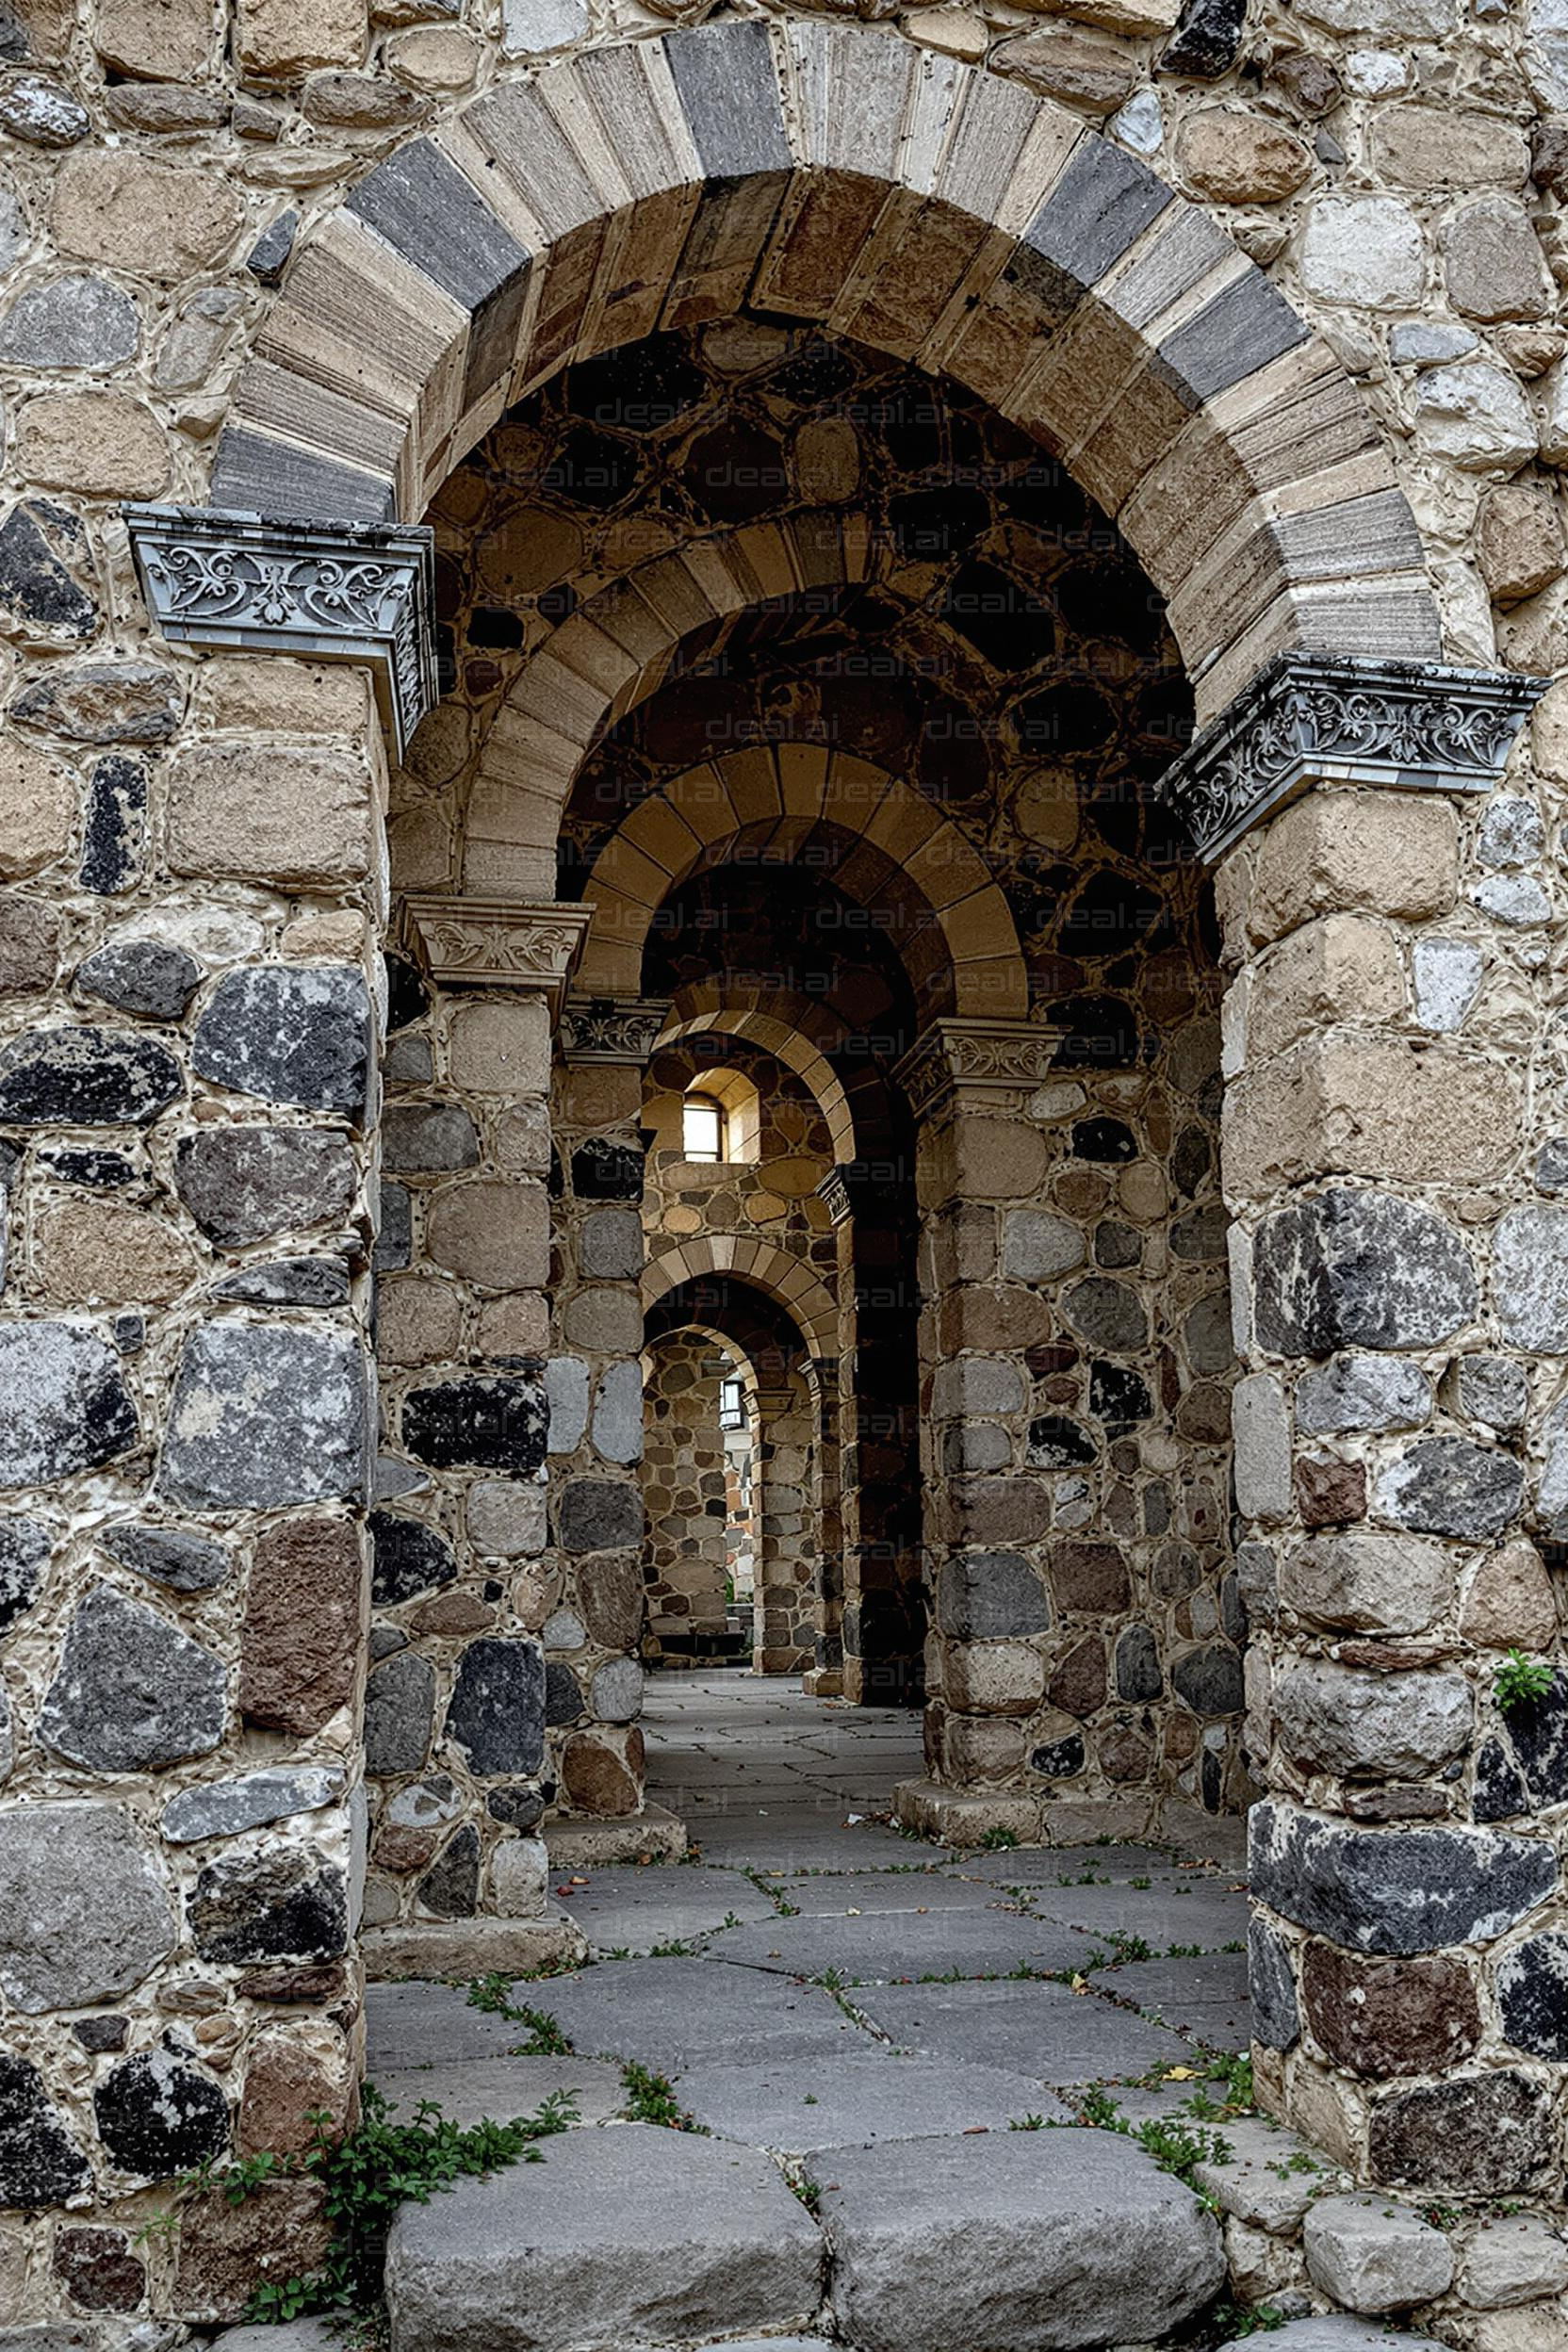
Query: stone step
{"x": 1335, "y": 2332}
{"x": 1013, "y": 2241}
{"x": 624, "y": 2234}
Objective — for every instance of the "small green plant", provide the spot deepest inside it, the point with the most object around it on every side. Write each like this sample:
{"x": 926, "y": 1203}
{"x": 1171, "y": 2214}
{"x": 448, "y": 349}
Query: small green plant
{"x": 1520, "y": 1680}
{"x": 810, "y": 2194}
{"x": 650, "y": 2098}
{"x": 1027, "y": 2123}
{"x": 997, "y": 1840}
{"x": 1236, "y": 2320}
{"x": 546, "y": 2039}
{"x": 1131, "y": 1948}
{"x": 672, "y": 1950}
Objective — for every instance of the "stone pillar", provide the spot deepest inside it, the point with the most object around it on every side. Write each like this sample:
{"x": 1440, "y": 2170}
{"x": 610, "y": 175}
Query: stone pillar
{"x": 188, "y": 1107}
{"x": 1394, "y": 1161}
{"x": 969, "y": 1085}
{"x": 595, "y": 1378}
{"x": 465, "y": 1585}
{"x": 789, "y": 1515}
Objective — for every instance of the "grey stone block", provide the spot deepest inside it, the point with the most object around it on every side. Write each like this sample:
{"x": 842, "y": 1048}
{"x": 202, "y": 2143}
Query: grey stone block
{"x": 729, "y": 95}
{"x": 1101, "y": 206}
{"x": 1271, "y": 1986}
{"x": 1398, "y": 1891}
{"x": 76, "y": 321}
{"x": 1448, "y": 1486}
{"x": 427, "y": 1138}
{"x": 1332, "y": 2331}
{"x": 497, "y": 1711}
{"x": 85, "y": 1914}
{"x": 256, "y": 475}
{"x": 244, "y": 1183}
{"x": 1372, "y": 2255}
{"x": 1361, "y": 1390}
{"x": 794, "y": 2105}
{"x": 425, "y": 209}
{"x": 1060, "y": 2037}
{"x": 132, "y": 1692}
{"x": 1025, "y": 2242}
{"x": 1531, "y": 1261}
{"x": 221, "y": 1808}
{"x": 630, "y": 2236}
{"x": 144, "y": 976}
{"x": 982, "y": 1595}
{"x": 1240, "y": 331}
{"x": 289, "y": 1033}
{"x": 264, "y": 1415}
{"x": 503, "y": 2089}
{"x": 1337, "y": 1719}
{"x": 399, "y": 1709}
{"x": 891, "y": 1947}
{"x": 63, "y": 1403}
{"x": 669, "y": 2013}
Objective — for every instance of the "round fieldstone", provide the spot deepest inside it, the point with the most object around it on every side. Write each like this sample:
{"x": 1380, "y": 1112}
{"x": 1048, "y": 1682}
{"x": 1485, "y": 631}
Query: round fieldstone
{"x": 86, "y": 1077}
{"x": 264, "y": 1415}
{"x": 1394, "y": 1891}
{"x": 984, "y": 1596}
{"x": 245, "y": 1183}
{"x": 85, "y": 1914}
{"x": 288, "y": 1034}
{"x": 507, "y": 1519}
{"x": 1108, "y": 1314}
{"x": 408, "y": 1559}
{"x": 42, "y": 112}
{"x": 1531, "y": 1261}
{"x": 1486, "y": 2134}
{"x": 146, "y": 976}
{"x": 132, "y": 1692}
{"x": 158, "y": 2115}
{"x": 1210, "y": 1680}
{"x": 1138, "y": 1673}
{"x": 102, "y": 702}
{"x": 1448, "y": 1486}
{"x": 1119, "y": 1396}
{"x": 602, "y": 1170}
{"x": 40, "y": 2163}
{"x": 24, "y": 1549}
{"x": 428, "y": 1138}
{"x": 1383, "y": 2018}
{"x": 223, "y": 1808}
{"x": 63, "y": 1403}
{"x": 563, "y": 1699}
{"x": 281, "y": 1905}
{"x": 76, "y": 321}
{"x": 497, "y": 1711}
{"x": 615, "y": 1693}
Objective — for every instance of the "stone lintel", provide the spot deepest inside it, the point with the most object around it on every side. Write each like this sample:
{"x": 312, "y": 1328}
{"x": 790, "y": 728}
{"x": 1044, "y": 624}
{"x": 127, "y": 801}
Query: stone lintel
{"x": 621, "y": 1029}
{"x": 498, "y": 943}
{"x": 1310, "y": 718}
{"x": 331, "y": 592}
{"x": 976, "y": 1066}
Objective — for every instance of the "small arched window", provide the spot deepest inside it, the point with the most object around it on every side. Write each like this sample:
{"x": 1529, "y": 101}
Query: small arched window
{"x": 703, "y": 1128}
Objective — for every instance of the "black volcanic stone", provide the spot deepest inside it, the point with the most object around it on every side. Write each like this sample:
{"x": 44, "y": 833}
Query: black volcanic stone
{"x": 1450, "y": 1486}
{"x": 1272, "y": 1988}
{"x": 407, "y": 997}
{"x": 104, "y": 1171}
{"x": 408, "y": 1559}
{"x": 1137, "y": 1665}
{"x": 114, "y": 837}
{"x": 497, "y": 1714}
{"x": 600, "y": 1516}
{"x": 1537, "y": 1733}
{"x": 450, "y": 1886}
{"x": 288, "y": 1282}
{"x": 480, "y": 1423}
{"x": 1483, "y": 2133}
{"x": 289, "y": 1033}
{"x": 1207, "y": 39}
{"x": 36, "y": 585}
{"x": 518, "y": 1808}
{"x": 146, "y": 976}
{"x": 1058, "y": 1443}
{"x": 24, "y": 1549}
{"x": 1118, "y": 1394}
{"x": 282, "y": 1906}
{"x": 602, "y": 1170}
{"x": 158, "y": 2115}
{"x": 40, "y": 2164}
{"x": 1532, "y": 1996}
{"x": 1106, "y": 1139}
{"x": 1359, "y": 1269}
{"x": 186, "y": 1564}
{"x": 83, "y": 1076}
{"x": 1061, "y": 1758}
{"x": 1396, "y": 1892}
{"x": 564, "y": 1701}
{"x": 1210, "y": 1680}
{"x": 1500, "y": 1793}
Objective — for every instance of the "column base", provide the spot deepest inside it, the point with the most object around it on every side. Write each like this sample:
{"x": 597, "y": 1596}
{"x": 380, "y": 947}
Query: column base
{"x": 461, "y": 1948}
{"x": 964, "y": 1817}
{"x": 576, "y": 1841}
{"x": 822, "y": 1682}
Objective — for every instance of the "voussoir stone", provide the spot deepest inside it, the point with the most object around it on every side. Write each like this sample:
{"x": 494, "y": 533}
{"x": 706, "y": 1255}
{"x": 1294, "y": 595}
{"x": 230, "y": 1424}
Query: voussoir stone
{"x": 132, "y": 1692}
{"x": 63, "y": 1402}
{"x": 620, "y": 2237}
{"x": 85, "y": 1913}
{"x": 1394, "y": 1891}
{"x": 263, "y": 1417}
{"x": 1012, "y": 2241}
{"x": 245, "y": 1183}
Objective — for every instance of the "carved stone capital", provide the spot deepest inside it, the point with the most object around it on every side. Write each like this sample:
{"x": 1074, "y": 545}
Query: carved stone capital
{"x": 834, "y": 1193}
{"x": 975, "y": 1064}
{"x": 613, "y": 1029}
{"x": 338, "y": 592}
{"x": 1314, "y": 717}
{"x": 497, "y": 943}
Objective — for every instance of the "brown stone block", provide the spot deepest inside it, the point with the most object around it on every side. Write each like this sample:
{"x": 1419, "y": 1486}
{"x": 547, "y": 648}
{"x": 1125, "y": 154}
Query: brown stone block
{"x": 306, "y": 1612}
{"x": 1000, "y": 1321}
{"x": 38, "y": 809}
{"x": 1395, "y": 2016}
{"x": 1090, "y": 1577}
{"x": 98, "y": 2270}
{"x": 278, "y": 40}
{"x": 102, "y": 445}
{"x": 1004, "y": 1511}
{"x": 603, "y": 1773}
{"x": 154, "y": 40}
{"x": 1361, "y": 1106}
{"x": 1078, "y": 68}
{"x": 1329, "y": 1493}
{"x": 417, "y": 1321}
{"x": 1343, "y": 851}
{"x": 610, "y": 1597}
{"x": 29, "y": 952}
{"x": 517, "y": 1326}
{"x": 1510, "y": 1602}
{"x": 271, "y": 812}
{"x": 1239, "y": 158}
{"x": 86, "y": 1253}
{"x": 1078, "y": 1684}
{"x": 291, "y": 2075}
{"x": 120, "y": 210}
{"x": 598, "y": 1097}
{"x": 226, "y": 2251}
{"x": 493, "y": 1232}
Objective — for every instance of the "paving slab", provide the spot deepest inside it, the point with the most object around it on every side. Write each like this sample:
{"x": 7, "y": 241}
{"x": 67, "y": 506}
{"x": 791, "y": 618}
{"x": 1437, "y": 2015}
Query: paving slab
{"x": 1012, "y": 2241}
{"x": 838, "y": 1893}
{"x": 1209, "y": 1917}
{"x": 1044, "y": 2030}
{"x": 1045, "y": 1865}
{"x": 798, "y": 1841}
{"x": 633, "y": 1909}
{"x": 668, "y": 2013}
{"x": 1334, "y": 2333}
{"x": 894, "y": 1947}
{"x": 625, "y": 2236}
{"x": 295, "y": 2335}
{"x": 796, "y": 2105}
{"x": 1206, "y": 1996}
{"x": 504, "y": 2090}
{"x": 433, "y": 2025}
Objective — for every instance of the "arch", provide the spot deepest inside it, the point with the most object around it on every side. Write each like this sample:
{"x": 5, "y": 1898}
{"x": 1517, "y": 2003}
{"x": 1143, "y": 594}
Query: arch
{"x": 809, "y": 1303}
{"x": 787, "y": 1046}
{"x": 915, "y": 203}
{"x": 772, "y": 799}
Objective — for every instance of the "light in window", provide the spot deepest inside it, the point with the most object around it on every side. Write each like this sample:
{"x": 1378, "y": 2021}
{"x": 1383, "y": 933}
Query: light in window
{"x": 702, "y": 1133}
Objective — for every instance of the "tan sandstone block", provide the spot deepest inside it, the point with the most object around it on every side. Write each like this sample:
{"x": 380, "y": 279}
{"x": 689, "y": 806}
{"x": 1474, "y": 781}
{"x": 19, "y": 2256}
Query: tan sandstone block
{"x": 270, "y": 813}
{"x": 1340, "y": 967}
{"x": 1448, "y": 146}
{"x": 271, "y": 694}
{"x": 103, "y": 444}
{"x": 515, "y": 1326}
{"x": 417, "y": 1321}
{"x": 280, "y": 41}
{"x": 121, "y": 211}
{"x": 154, "y": 40}
{"x": 994, "y": 1679}
{"x": 97, "y": 1250}
{"x": 500, "y": 1047}
{"x": 495, "y": 1233}
{"x": 1356, "y": 1105}
{"x": 1511, "y": 1601}
{"x": 434, "y": 57}
{"x": 1240, "y": 158}
{"x": 38, "y": 809}
{"x": 1383, "y": 852}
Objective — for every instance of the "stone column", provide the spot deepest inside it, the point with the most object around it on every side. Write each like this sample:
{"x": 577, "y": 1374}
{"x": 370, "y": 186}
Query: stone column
{"x": 465, "y": 1586}
{"x": 969, "y": 1085}
{"x": 185, "y": 1422}
{"x": 1393, "y": 1162}
{"x": 789, "y": 1517}
{"x": 596, "y": 1391}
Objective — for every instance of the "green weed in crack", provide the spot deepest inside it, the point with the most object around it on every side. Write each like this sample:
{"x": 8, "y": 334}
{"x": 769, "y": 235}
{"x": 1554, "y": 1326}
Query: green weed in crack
{"x": 650, "y": 2098}
{"x": 1177, "y": 2147}
{"x": 546, "y": 2039}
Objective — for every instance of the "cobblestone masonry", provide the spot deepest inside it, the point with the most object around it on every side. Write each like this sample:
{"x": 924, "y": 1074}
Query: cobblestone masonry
{"x": 305, "y": 260}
